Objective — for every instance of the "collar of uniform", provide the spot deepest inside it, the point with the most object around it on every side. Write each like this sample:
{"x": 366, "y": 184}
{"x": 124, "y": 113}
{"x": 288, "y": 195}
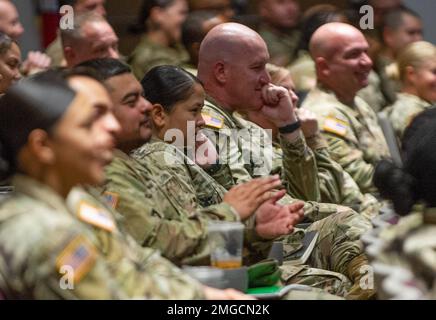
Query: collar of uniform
{"x": 218, "y": 105}
{"x": 414, "y": 99}
{"x": 219, "y": 108}
{"x": 348, "y": 109}
{"x": 121, "y": 154}
{"x": 430, "y": 216}
{"x": 176, "y": 50}
{"x": 157, "y": 145}
{"x": 37, "y": 190}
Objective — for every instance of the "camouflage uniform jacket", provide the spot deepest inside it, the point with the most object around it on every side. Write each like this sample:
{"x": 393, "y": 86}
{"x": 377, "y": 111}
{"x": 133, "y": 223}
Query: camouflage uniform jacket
{"x": 247, "y": 151}
{"x": 195, "y": 189}
{"x": 411, "y": 244}
{"x": 372, "y": 93}
{"x": 249, "y": 155}
{"x": 161, "y": 211}
{"x": 336, "y": 185}
{"x": 167, "y": 158}
{"x": 54, "y": 250}
{"x": 355, "y": 139}
{"x": 404, "y": 110}
{"x": 148, "y": 55}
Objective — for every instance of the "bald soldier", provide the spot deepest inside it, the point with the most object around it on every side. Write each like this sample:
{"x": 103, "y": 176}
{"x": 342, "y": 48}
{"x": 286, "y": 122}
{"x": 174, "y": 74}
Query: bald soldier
{"x": 232, "y": 62}
{"x": 350, "y": 126}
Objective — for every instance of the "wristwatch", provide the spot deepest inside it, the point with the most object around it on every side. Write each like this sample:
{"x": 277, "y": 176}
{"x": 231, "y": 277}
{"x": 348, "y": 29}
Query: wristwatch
{"x": 290, "y": 128}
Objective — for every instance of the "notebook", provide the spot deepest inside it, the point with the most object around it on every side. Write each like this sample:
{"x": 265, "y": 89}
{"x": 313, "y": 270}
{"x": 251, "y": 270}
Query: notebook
{"x": 300, "y": 256}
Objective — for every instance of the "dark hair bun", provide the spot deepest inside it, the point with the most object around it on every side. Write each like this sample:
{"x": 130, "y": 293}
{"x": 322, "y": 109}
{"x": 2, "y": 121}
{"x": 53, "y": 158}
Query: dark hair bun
{"x": 396, "y": 185}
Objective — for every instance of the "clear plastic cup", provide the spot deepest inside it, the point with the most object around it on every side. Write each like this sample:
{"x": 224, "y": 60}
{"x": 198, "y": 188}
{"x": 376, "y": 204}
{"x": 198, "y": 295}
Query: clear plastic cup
{"x": 226, "y": 244}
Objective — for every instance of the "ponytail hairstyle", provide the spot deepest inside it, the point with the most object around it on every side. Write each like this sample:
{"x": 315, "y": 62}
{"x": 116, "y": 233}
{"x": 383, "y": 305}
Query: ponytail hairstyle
{"x": 414, "y": 55}
{"x": 168, "y": 85}
{"x": 416, "y": 181}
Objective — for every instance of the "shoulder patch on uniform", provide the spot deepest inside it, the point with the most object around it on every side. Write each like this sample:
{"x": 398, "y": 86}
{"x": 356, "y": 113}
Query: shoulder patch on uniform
{"x": 335, "y": 126}
{"x": 94, "y": 216}
{"x": 214, "y": 121}
{"x": 80, "y": 255}
{"x": 111, "y": 199}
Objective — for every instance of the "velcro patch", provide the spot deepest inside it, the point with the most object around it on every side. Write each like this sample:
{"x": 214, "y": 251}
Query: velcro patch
{"x": 335, "y": 126}
{"x": 79, "y": 255}
{"x": 94, "y": 216}
{"x": 111, "y": 199}
{"x": 216, "y": 122}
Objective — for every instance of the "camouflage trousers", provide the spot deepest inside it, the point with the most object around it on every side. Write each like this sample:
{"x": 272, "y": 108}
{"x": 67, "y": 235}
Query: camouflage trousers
{"x": 337, "y": 246}
{"x": 324, "y": 284}
{"x": 339, "y": 240}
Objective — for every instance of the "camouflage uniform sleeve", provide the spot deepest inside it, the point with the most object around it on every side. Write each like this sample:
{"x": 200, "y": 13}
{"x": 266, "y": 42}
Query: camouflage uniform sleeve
{"x": 329, "y": 172}
{"x": 66, "y": 265}
{"x": 157, "y": 278}
{"x": 142, "y": 272}
{"x": 182, "y": 240}
{"x": 222, "y": 174}
{"x": 231, "y": 169}
{"x": 313, "y": 211}
{"x": 59, "y": 262}
{"x": 92, "y": 277}
{"x": 337, "y": 186}
{"x": 300, "y": 170}
{"x": 351, "y": 159}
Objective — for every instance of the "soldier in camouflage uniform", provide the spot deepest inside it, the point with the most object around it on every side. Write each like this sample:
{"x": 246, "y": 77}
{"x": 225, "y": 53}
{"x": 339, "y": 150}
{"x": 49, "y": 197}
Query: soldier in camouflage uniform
{"x": 416, "y": 64}
{"x": 404, "y": 110}
{"x": 160, "y": 44}
{"x": 327, "y": 218}
{"x": 350, "y": 126}
{"x": 55, "y": 250}
{"x": 148, "y": 55}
